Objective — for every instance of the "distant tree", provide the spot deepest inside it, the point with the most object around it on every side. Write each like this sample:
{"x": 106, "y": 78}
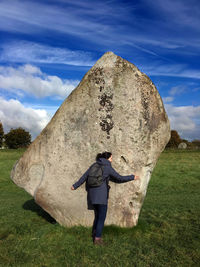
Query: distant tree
{"x": 196, "y": 143}
{"x": 17, "y": 138}
{"x": 175, "y": 140}
{"x": 1, "y": 134}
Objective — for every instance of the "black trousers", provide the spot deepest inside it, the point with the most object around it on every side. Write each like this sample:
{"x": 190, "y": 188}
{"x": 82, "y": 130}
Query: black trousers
{"x": 100, "y": 212}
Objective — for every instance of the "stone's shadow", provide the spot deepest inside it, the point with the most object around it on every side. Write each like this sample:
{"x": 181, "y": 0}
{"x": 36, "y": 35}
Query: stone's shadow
{"x": 31, "y": 205}
{"x": 142, "y": 226}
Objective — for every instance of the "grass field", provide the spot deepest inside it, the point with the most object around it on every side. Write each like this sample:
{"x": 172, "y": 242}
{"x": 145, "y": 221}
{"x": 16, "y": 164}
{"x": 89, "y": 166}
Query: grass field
{"x": 168, "y": 232}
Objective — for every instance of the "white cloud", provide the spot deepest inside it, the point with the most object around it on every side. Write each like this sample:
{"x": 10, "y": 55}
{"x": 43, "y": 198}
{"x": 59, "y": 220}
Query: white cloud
{"x": 185, "y": 119}
{"x": 30, "y": 52}
{"x": 168, "y": 99}
{"x": 14, "y": 114}
{"x": 31, "y": 80}
{"x": 177, "y": 90}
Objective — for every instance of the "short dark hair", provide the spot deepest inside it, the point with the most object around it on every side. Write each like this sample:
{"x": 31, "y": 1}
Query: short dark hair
{"x": 105, "y": 155}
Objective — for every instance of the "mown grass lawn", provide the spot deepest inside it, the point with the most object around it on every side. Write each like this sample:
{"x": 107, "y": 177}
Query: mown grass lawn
{"x": 168, "y": 232}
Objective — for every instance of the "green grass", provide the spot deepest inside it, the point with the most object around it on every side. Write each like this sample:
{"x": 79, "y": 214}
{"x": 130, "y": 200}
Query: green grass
{"x": 168, "y": 232}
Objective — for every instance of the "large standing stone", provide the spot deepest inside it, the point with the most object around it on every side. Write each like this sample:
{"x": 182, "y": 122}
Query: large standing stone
{"x": 114, "y": 108}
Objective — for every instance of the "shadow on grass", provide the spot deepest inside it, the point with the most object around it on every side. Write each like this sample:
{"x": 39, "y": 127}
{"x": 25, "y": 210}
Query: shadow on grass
{"x": 31, "y": 205}
{"x": 142, "y": 226}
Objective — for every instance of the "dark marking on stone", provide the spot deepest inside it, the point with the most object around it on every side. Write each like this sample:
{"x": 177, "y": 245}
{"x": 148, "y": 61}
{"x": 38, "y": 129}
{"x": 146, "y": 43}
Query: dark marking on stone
{"x": 107, "y": 124}
{"x": 105, "y": 101}
{"x": 140, "y": 124}
{"x": 145, "y": 104}
{"x": 123, "y": 158}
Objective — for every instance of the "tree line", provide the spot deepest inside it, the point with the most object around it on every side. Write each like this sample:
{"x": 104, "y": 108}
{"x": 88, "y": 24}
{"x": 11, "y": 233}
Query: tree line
{"x": 175, "y": 141}
{"x": 15, "y": 138}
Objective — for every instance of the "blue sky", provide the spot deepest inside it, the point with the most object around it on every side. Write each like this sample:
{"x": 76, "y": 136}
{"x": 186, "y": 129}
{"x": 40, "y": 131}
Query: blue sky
{"x": 47, "y": 46}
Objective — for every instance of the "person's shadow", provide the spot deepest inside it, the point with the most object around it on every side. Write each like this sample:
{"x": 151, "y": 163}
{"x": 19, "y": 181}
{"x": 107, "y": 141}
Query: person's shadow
{"x": 31, "y": 205}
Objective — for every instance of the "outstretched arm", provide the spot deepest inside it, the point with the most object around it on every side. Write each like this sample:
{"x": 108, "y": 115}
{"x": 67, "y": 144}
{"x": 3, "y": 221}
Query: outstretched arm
{"x": 116, "y": 177}
{"x": 80, "y": 181}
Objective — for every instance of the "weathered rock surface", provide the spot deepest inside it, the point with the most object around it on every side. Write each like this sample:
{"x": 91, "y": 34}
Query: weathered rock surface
{"x": 115, "y": 108}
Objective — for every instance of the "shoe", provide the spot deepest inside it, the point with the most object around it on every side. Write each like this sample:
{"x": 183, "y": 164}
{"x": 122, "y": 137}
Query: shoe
{"x": 99, "y": 242}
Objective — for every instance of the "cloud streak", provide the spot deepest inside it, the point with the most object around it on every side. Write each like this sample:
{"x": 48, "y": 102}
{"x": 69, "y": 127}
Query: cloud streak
{"x": 105, "y": 23}
{"x": 68, "y": 20}
{"x": 29, "y": 52}
{"x": 180, "y": 12}
{"x": 171, "y": 70}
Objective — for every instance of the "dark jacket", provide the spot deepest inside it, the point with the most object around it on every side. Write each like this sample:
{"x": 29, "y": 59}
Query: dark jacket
{"x": 99, "y": 195}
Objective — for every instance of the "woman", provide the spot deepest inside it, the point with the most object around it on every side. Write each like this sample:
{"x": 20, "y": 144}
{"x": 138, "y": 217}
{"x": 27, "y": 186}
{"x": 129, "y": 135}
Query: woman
{"x": 98, "y": 196}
